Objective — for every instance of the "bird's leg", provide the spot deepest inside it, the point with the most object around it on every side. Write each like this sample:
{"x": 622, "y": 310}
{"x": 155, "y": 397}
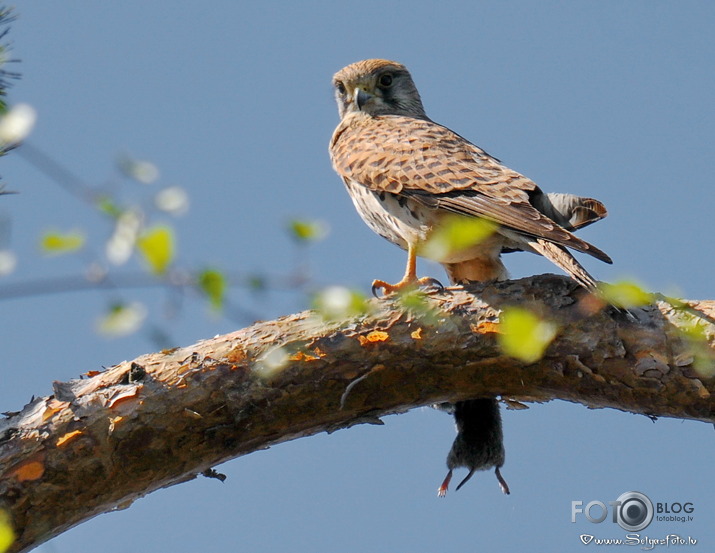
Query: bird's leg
{"x": 410, "y": 279}
{"x": 442, "y": 491}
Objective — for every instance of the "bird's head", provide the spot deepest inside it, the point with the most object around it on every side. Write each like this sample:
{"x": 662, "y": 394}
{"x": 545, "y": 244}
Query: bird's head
{"x": 377, "y": 87}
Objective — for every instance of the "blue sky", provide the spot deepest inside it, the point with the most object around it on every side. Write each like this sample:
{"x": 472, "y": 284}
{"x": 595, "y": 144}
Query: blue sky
{"x": 232, "y": 101}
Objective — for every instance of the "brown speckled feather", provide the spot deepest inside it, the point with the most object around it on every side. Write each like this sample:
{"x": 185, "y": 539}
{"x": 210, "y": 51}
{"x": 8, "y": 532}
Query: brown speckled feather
{"x": 437, "y": 167}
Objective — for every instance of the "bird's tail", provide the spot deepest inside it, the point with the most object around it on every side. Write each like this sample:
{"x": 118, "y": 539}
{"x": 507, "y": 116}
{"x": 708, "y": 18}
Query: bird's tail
{"x": 561, "y": 257}
{"x": 569, "y": 211}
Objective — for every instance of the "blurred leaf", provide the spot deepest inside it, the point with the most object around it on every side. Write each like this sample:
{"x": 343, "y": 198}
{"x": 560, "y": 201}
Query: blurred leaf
{"x": 456, "y": 233}
{"x": 694, "y": 333}
{"x": 173, "y": 200}
{"x": 57, "y": 243}
{"x": 8, "y": 262}
{"x": 338, "y": 302}
{"x": 141, "y": 171}
{"x": 257, "y": 283}
{"x": 625, "y": 294}
{"x": 413, "y": 298}
{"x": 157, "y": 248}
{"x": 122, "y": 319}
{"x": 272, "y": 362}
{"x": 121, "y": 244}
{"x": 109, "y": 207}
{"x": 213, "y": 284}
{"x": 307, "y": 231}
{"x": 16, "y": 124}
{"x": 523, "y": 335}
{"x": 417, "y": 303}
{"x": 7, "y": 534}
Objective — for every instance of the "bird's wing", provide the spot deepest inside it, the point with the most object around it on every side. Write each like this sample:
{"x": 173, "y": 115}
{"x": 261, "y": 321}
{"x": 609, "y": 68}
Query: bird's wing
{"x": 438, "y": 168}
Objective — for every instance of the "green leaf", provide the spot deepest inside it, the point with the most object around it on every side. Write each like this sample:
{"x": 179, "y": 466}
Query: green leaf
{"x": 307, "y": 231}
{"x": 7, "y": 534}
{"x": 523, "y": 335}
{"x": 57, "y": 243}
{"x": 694, "y": 333}
{"x": 625, "y": 294}
{"x": 417, "y": 303}
{"x": 338, "y": 302}
{"x": 213, "y": 284}
{"x": 157, "y": 248}
{"x": 457, "y": 233}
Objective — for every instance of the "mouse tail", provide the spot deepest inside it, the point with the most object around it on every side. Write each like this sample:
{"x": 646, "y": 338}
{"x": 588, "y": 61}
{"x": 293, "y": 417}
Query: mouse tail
{"x": 466, "y": 478}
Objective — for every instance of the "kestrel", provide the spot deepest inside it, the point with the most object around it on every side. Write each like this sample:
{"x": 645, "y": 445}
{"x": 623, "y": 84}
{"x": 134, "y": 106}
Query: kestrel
{"x": 407, "y": 175}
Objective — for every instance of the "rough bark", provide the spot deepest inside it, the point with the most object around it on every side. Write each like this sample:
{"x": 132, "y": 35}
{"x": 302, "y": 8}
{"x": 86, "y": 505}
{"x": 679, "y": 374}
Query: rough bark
{"x": 103, "y": 441}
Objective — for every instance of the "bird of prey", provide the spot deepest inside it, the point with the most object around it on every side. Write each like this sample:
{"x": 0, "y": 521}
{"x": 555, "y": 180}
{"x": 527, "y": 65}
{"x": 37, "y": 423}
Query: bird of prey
{"x": 407, "y": 175}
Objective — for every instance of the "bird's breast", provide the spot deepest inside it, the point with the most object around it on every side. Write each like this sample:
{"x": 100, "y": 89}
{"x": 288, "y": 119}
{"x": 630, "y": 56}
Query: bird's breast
{"x": 403, "y": 221}
{"x": 396, "y": 218}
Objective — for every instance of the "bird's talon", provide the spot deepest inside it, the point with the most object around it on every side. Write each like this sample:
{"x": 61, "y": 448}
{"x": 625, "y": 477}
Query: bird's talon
{"x": 387, "y": 288}
{"x": 432, "y": 284}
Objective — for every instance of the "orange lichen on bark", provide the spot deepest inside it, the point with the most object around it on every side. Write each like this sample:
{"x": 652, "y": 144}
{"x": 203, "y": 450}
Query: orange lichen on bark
{"x": 90, "y": 374}
{"x": 307, "y": 355}
{"x": 114, "y": 422}
{"x": 374, "y": 336}
{"x": 485, "y": 327}
{"x": 67, "y": 437}
{"x": 30, "y": 469}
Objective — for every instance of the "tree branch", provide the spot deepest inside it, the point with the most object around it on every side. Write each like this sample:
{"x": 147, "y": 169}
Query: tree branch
{"x": 100, "y": 443}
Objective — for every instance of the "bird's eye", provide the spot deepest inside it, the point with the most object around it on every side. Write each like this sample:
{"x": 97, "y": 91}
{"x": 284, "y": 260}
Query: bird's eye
{"x": 340, "y": 87}
{"x": 385, "y": 80}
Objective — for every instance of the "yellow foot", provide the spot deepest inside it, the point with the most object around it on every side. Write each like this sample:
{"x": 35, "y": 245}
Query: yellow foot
{"x": 405, "y": 284}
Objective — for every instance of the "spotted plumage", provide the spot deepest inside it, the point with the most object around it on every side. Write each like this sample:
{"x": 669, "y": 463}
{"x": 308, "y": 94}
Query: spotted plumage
{"x": 406, "y": 174}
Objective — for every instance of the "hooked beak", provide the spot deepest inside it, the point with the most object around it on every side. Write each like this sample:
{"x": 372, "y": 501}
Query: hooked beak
{"x": 361, "y": 97}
